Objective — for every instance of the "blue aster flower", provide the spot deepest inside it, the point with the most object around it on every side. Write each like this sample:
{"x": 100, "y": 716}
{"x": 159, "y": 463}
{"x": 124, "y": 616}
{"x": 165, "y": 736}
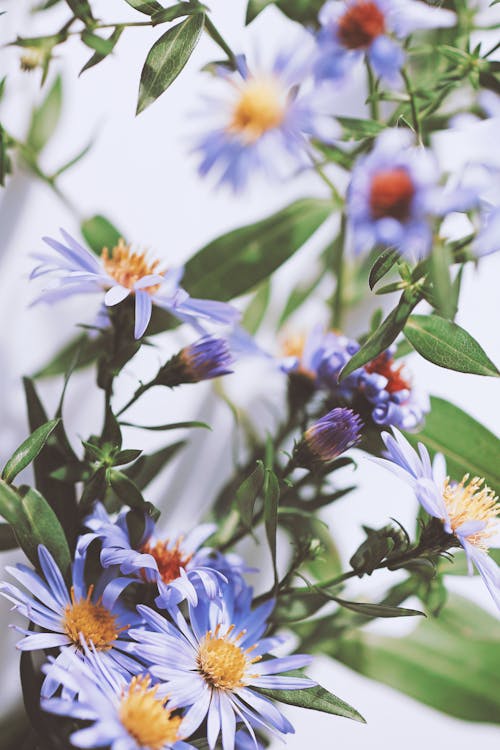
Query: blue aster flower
{"x": 176, "y": 565}
{"x": 212, "y": 664}
{"x": 263, "y": 117}
{"x": 488, "y": 237}
{"x": 122, "y": 713}
{"x": 352, "y": 29}
{"x": 468, "y": 509}
{"x": 207, "y": 358}
{"x": 72, "y": 616}
{"x": 394, "y": 196}
{"x": 391, "y": 396}
{"x": 121, "y": 273}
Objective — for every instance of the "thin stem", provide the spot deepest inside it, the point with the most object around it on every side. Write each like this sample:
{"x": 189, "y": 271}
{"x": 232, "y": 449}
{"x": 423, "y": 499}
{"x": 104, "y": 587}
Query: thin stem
{"x": 338, "y": 269}
{"x": 372, "y": 91}
{"x": 413, "y": 104}
{"x": 220, "y": 41}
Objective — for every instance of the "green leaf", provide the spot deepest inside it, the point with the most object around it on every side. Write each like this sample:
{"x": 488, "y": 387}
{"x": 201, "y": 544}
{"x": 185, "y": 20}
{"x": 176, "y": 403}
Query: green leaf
{"x": 469, "y": 448}
{"x": 175, "y": 11}
{"x": 145, "y": 6}
{"x": 236, "y": 262}
{"x": 169, "y": 426}
{"x": 129, "y": 493}
{"x": 303, "y": 11}
{"x": 271, "y": 501}
{"x": 74, "y": 160}
{"x": 146, "y": 468}
{"x": 377, "y": 610}
{"x": 383, "y": 337}
{"x": 99, "y": 233}
{"x": 103, "y": 47}
{"x": 356, "y": 130}
{"x": 382, "y": 266}
{"x": 45, "y": 118}
{"x": 8, "y": 539}
{"x": 255, "y": 7}
{"x": 317, "y": 698}
{"x": 256, "y": 309}
{"x": 28, "y": 450}
{"x": 448, "y": 345}
{"x": 167, "y": 57}
{"x": 5, "y": 164}
{"x": 451, "y": 663}
{"x": 81, "y": 9}
{"x": 439, "y": 266}
{"x": 247, "y": 494}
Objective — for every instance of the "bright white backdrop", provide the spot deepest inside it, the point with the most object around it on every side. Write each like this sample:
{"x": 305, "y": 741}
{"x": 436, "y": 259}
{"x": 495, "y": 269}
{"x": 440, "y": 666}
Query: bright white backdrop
{"x": 140, "y": 174}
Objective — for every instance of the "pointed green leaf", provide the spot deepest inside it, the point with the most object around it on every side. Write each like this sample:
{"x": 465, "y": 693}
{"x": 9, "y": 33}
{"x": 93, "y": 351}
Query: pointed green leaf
{"x": 100, "y": 233}
{"x": 44, "y": 528}
{"x": 271, "y": 501}
{"x": 103, "y": 47}
{"x": 146, "y": 468}
{"x": 256, "y": 309}
{"x": 382, "y": 265}
{"x": 317, "y": 698}
{"x": 247, "y": 494}
{"x": 255, "y": 7}
{"x": 7, "y": 538}
{"x": 356, "y": 129}
{"x": 81, "y": 9}
{"x": 28, "y": 450}
{"x": 378, "y": 610}
{"x": 167, "y": 57}
{"x": 448, "y": 345}
{"x": 129, "y": 493}
{"x": 165, "y": 427}
{"x": 45, "y": 118}
{"x": 145, "y": 6}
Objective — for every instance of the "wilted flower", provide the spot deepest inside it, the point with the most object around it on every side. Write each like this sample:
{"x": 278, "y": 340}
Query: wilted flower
{"x": 124, "y": 713}
{"x": 353, "y": 29}
{"x": 72, "y": 617}
{"x": 207, "y": 358}
{"x": 121, "y": 273}
{"x": 212, "y": 663}
{"x": 262, "y": 117}
{"x": 394, "y": 196}
{"x": 173, "y": 564}
{"x": 328, "y": 438}
{"x": 469, "y": 509}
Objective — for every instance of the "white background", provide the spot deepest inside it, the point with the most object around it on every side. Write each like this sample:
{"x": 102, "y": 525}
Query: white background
{"x": 140, "y": 174}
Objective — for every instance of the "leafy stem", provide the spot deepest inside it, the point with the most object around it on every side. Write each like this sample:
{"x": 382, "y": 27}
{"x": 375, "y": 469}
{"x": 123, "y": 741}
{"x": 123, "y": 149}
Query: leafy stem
{"x": 413, "y": 105}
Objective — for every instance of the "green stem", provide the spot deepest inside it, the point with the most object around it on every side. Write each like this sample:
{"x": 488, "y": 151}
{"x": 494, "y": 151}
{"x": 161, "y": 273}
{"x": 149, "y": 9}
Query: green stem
{"x": 413, "y": 104}
{"x": 217, "y": 37}
{"x": 339, "y": 271}
{"x": 372, "y": 90}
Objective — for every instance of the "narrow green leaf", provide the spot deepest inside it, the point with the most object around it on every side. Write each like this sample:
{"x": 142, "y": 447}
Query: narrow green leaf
{"x": 256, "y": 309}
{"x": 439, "y": 266}
{"x": 81, "y": 9}
{"x": 111, "y": 432}
{"x": 8, "y": 539}
{"x": 167, "y": 57}
{"x": 469, "y": 448}
{"x": 356, "y": 129}
{"x": 299, "y": 295}
{"x": 236, "y": 262}
{"x": 451, "y": 663}
{"x": 28, "y": 450}
{"x": 103, "y": 47}
{"x": 255, "y": 7}
{"x": 170, "y": 426}
{"x": 100, "y": 233}
{"x": 129, "y": 493}
{"x": 381, "y": 338}
{"x": 45, "y": 118}
{"x": 146, "y": 468}
{"x": 378, "y": 610}
{"x": 44, "y": 528}
{"x": 126, "y": 456}
{"x": 382, "y": 266}
{"x": 74, "y": 160}
{"x": 317, "y": 698}
{"x": 247, "y": 494}
{"x": 145, "y": 6}
{"x": 448, "y": 345}
{"x": 271, "y": 501}
{"x": 175, "y": 11}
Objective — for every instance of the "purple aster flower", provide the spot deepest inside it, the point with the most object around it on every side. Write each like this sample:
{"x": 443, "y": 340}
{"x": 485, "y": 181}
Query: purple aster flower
{"x": 212, "y": 663}
{"x": 71, "y": 617}
{"x": 176, "y": 565}
{"x": 120, "y": 274}
{"x": 352, "y": 29}
{"x": 121, "y": 713}
{"x": 468, "y": 509}
{"x": 488, "y": 237}
{"x": 264, "y": 116}
{"x": 328, "y": 438}
{"x": 207, "y": 358}
{"x": 394, "y": 195}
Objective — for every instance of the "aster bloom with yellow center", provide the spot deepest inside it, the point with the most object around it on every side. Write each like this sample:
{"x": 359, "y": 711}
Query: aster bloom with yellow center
{"x": 394, "y": 197}
{"x": 177, "y": 565}
{"x": 123, "y": 713}
{"x": 468, "y": 509}
{"x": 70, "y": 617}
{"x": 211, "y": 664}
{"x": 264, "y": 119}
{"x": 122, "y": 272}
{"x": 351, "y": 29}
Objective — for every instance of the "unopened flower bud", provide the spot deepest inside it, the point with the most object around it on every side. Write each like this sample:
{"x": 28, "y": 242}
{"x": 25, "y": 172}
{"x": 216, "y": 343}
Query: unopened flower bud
{"x": 328, "y": 438}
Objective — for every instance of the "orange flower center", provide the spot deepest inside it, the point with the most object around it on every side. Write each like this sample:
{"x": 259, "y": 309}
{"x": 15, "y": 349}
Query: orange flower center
{"x": 91, "y": 620}
{"x": 261, "y": 106}
{"x": 361, "y": 23}
{"x": 169, "y": 560}
{"x": 222, "y": 662}
{"x": 383, "y": 365}
{"x": 145, "y": 717}
{"x": 128, "y": 267}
{"x": 391, "y": 194}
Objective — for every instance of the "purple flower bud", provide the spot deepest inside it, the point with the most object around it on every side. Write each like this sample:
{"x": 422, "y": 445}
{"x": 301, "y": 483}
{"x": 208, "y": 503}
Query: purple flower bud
{"x": 329, "y": 437}
{"x": 207, "y": 358}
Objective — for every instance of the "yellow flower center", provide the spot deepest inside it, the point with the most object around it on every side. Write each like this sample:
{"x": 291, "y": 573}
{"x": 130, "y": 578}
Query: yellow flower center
{"x": 294, "y": 346}
{"x": 261, "y": 107}
{"x": 127, "y": 267}
{"x": 91, "y": 620}
{"x": 169, "y": 560}
{"x": 145, "y": 717}
{"x": 472, "y": 501}
{"x": 222, "y": 662}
